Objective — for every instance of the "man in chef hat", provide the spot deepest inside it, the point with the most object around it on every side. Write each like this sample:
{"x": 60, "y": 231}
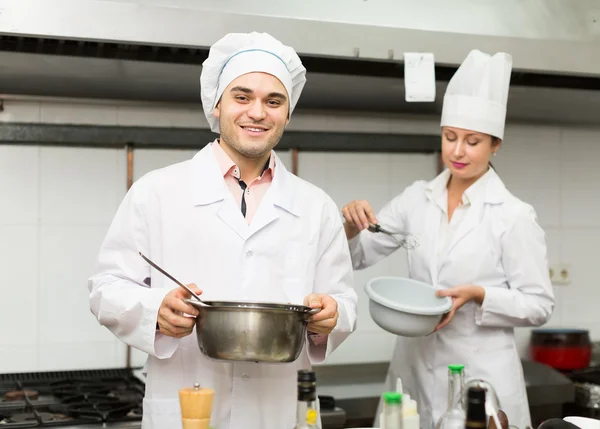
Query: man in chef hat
{"x": 480, "y": 245}
{"x": 237, "y": 223}
{"x": 238, "y": 54}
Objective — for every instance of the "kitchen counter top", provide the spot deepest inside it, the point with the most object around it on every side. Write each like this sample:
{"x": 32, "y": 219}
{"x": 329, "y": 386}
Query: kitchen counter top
{"x": 329, "y": 418}
{"x": 546, "y": 386}
{"x": 123, "y": 425}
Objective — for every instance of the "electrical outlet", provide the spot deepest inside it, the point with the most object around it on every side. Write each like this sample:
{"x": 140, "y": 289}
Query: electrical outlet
{"x": 560, "y": 274}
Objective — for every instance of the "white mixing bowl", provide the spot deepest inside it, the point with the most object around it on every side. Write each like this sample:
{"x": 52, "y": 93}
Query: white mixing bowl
{"x": 405, "y": 307}
{"x": 583, "y": 422}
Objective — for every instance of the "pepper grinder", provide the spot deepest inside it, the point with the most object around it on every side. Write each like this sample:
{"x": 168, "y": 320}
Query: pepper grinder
{"x": 196, "y": 407}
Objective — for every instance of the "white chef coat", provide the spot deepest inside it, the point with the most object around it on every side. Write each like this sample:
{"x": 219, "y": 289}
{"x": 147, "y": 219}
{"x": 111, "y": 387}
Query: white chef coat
{"x": 438, "y": 192}
{"x": 184, "y": 218}
{"x": 498, "y": 245}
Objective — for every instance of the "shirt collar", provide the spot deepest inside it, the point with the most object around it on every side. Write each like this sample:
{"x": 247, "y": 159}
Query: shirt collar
{"x": 227, "y": 166}
{"x": 476, "y": 192}
{"x": 437, "y": 188}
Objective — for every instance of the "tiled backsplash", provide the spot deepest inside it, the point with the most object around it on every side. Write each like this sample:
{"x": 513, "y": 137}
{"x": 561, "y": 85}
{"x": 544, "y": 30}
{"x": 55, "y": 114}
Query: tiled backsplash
{"x": 58, "y": 203}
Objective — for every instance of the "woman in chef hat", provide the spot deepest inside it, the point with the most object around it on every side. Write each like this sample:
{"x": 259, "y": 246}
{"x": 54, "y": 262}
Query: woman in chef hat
{"x": 478, "y": 243}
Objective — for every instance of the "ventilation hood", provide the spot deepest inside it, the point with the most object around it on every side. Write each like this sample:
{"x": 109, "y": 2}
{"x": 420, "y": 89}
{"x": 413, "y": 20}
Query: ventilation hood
{"x": 153, "y": 49}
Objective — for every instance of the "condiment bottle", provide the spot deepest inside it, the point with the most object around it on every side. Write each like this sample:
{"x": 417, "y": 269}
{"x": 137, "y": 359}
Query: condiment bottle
{"x": 196, "y": 407}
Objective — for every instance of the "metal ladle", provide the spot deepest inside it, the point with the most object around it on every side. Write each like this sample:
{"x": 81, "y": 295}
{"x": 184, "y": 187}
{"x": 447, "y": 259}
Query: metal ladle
{"x": 174, "y": 279}
{"x": 405, "y": 239}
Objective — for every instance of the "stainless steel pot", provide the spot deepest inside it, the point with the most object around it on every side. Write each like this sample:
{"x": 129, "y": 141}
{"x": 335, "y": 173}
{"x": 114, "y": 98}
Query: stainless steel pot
{"x": 251, "y": 331}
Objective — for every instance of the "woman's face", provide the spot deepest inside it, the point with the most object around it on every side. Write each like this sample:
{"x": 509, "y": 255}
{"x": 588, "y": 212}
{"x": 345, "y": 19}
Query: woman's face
{"x": 467, "y": 153}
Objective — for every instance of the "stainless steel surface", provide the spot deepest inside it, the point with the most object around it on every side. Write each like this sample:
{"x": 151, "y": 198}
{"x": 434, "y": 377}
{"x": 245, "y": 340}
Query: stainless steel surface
{"x": 374, "y": 30}
{"x": 251, "y": 332}
{"x": 330, "y": 419}
{"x": 190, "y": 138}
{"x": 98, "y": 78}
{"x": 548, "y": 391}
{"x": 333, "y": 419}
{"x": 360, "y": 412}
{"x": 595, "y": 358}
{"x": 587, "y": 395}
{"x": 123, "y": 425}
{"x": 546, "y": 386}
{"x": 172, "y": 278}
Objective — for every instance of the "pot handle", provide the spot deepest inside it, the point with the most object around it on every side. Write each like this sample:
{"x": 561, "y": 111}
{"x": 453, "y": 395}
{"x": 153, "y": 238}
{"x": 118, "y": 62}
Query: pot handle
{"x": 194, "y": 302}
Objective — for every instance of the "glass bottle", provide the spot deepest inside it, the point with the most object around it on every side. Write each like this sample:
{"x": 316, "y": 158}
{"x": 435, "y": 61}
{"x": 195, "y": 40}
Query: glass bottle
{"x": 307, "y": 415}
{"x": 454, "y": 417}
{"x": 392, "y": 410}
{"x": 476, "y": 414}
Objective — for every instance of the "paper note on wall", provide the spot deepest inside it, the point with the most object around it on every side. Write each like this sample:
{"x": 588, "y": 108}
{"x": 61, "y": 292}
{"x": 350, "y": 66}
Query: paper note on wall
{"x": 419, "y": 77}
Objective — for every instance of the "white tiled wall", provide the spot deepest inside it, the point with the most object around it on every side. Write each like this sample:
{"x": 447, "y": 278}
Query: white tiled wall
{"x": 58, "y": 203}
{"x": 375, "y": 178}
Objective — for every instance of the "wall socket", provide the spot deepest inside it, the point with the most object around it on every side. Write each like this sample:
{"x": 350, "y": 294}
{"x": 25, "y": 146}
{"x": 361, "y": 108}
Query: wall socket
{"x": 560, "y": 274}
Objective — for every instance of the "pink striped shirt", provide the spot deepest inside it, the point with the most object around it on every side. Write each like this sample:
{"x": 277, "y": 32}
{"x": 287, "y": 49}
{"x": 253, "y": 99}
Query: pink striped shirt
{"x": 255, "y": 190}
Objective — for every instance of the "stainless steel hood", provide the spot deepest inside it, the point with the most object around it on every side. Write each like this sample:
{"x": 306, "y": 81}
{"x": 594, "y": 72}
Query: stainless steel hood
{"x": 148, "y": 50}
{"x": 81, "y": 77}
{"x": 542, "y": 35}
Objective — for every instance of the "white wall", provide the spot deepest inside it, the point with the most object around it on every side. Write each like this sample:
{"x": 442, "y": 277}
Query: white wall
{"x": 56, "y": 206}
{"x": 58, "y": 203}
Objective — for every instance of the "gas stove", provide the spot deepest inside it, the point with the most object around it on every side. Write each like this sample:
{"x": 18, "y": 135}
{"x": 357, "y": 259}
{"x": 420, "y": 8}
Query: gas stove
{"x": 91, "y": 399}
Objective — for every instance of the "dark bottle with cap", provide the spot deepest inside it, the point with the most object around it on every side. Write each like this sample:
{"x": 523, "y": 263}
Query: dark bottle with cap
{"x": 307, "y": 416}
{"x": 476, "y": 415}
{"x": 307, "y": 378}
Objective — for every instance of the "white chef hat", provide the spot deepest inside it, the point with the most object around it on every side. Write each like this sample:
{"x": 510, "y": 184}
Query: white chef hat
{"x": 239, "y": 53}
{"x": 476, "y": 95}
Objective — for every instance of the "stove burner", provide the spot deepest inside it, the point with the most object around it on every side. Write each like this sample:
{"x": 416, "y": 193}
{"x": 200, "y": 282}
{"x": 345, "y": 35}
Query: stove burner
{"x": 106, "y": 410}
{"x": 135, "y": 412}
{"x": 19, "y": 395}
{"x": 127, "y": 395}
{"x": 68, "y": 398}
{"x": 45, "y": 417}
{"x": 68, "y": 389}
{"x": 92, "y": 399}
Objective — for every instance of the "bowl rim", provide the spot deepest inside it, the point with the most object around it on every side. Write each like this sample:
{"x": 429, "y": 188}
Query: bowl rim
{"x": 442, "y": 308}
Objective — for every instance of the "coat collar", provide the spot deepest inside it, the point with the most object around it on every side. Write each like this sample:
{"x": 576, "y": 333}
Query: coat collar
{"x": 488, "y": 189}
{"x": 208, "y": 184}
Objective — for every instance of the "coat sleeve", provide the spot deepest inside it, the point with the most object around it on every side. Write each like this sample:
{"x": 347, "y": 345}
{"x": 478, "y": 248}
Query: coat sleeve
{"x": 334, "y": 276}
{"x": 529, "y": 298}
{"x": 119, "y": 297}
{"x": 368, "y": 248}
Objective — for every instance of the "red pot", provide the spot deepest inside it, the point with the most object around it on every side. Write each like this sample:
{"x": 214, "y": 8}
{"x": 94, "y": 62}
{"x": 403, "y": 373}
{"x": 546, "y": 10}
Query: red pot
{"x": 562, "y": 349}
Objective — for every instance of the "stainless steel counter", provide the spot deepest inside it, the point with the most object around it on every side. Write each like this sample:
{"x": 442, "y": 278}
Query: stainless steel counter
{"x": 331, "y": 419}
{"x": 547, "y": 391}
{"x": 128, "y": 425}
{"x": 546, "y": 386}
